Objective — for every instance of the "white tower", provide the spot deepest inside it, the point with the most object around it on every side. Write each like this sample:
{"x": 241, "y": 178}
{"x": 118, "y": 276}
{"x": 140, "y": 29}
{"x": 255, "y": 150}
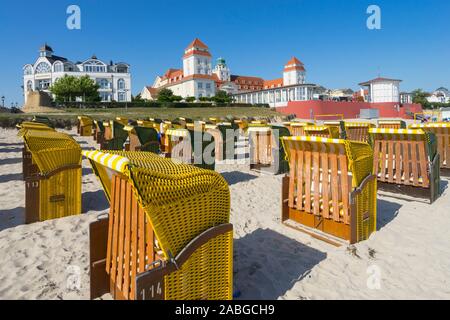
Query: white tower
{"x": 196, "y": 59}
{"x": 222, "y": 71}
{"x": 294, "y": 72}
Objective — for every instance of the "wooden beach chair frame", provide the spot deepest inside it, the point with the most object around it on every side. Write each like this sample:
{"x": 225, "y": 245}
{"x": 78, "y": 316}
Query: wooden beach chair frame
{"x": 340, "y": 208}
{"x": 329, "y": 132}
{"x": 297, "y": 128}
{"x": 190, "y": 154}
{"x": 85, "y": 126}
{"x": 115, "y": 136}
{"x": 358, "y": 131}
{"x": 143, "y": 139}
{"x": 442, "y": 133}
{"x": 391, "y": 124}
{"x": 167, "y": 235}
{"x": 413, "y": 171}
{"x": 265, "y": 149}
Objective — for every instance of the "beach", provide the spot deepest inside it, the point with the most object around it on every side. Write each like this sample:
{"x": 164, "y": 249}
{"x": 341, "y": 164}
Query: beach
{"x": 407, "y": 258}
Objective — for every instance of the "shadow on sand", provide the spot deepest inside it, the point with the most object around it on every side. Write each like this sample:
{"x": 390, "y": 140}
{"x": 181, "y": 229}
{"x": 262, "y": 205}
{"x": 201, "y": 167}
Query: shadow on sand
{"x": 236, "y": 177}
{"x": 12, "y": 218}
{"x": 11, "y": 150}
{"x": 94, "y": 201}
{"x": 267, "y": 264}
{"x": 10, "y": 161}
{"x": 386, "y": 212}
{"x": 11, "y": 177}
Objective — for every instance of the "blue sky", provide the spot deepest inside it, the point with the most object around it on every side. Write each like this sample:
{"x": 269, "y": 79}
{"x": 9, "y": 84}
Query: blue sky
{"x": 255, "y": 37}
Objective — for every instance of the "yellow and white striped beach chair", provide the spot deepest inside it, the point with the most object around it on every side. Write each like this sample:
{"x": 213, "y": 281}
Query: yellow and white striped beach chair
{"x": 168, "y": 234}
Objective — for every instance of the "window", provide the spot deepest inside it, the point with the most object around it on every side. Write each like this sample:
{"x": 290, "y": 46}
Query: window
{"x": 105, "y": 96}
{"x": 43, "y": 84}
{"x": 28, "y": 70}
{"x": 29, "y": 85}
{"x": 103, "y": 83}
{"x": 121, "y": 84}
{"x": 208, "y": 86}
{"x": 94, "y": 66}
{"x": 121, "y": 97}
{"x": 200, "y": 85}
{"x": 58, "y": 67}
{"x": 43, "y": 68}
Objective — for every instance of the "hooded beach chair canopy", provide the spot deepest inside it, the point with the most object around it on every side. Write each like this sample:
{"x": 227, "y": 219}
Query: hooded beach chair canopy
{"x": 181, "y": 202}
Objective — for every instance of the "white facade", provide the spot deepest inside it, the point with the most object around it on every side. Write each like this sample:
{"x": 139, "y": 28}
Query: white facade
{"x": 195, "y": 79}
{"x": 114, "y": 79}
{"x": 441, "y": 95}
{"x": 278, "y": 97}
{"x": 383, "y": 90}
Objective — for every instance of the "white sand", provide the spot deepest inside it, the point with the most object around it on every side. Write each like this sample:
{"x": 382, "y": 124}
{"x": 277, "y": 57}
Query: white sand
{"x": 411, "y": 250}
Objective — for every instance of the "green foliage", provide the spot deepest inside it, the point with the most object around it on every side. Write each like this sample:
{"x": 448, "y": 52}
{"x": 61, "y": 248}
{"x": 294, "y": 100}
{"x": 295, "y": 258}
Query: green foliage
{"x": 137, "y": 98}
{"x": 222, "y": 97}
{"x": 189, "y": 99}
{"x": 165, "y": 95}
{"x": 69, "y": 88}
{"x": 420, "y": 96}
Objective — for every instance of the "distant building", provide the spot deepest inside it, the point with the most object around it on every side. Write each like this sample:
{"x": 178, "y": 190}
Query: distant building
{"x": 114, "y": 79}
{"x": 406, "y": 97}
{"x": 383, "y": 90}
{"x": 440, "y": 95}
{"x": 342, "y": 94}
{"x": 279, "y": 92}
{"x": 199, "y": 79}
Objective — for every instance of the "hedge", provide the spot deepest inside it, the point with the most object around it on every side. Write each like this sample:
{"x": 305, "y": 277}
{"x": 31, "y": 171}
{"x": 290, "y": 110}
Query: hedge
{"x": 150, "y": 104}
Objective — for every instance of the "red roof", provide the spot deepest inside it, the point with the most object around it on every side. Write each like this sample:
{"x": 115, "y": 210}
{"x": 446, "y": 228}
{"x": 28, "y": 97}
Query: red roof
{"x": 294, "y": 60}
{"x": 273, "y": 83}
{"x": 197, "y": 43}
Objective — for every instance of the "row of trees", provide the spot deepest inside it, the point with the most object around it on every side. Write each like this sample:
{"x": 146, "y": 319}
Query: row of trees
{"x": 166, "y": 95}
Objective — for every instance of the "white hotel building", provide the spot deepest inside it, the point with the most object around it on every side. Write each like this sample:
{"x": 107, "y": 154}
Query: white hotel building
{"x": 278, "y": 92}
{"x": 199, "y": 79}
{"x": 114, "y": 79}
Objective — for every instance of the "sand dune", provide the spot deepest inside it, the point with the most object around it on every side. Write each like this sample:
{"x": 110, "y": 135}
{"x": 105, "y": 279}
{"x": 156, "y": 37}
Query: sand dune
{"x": 410, "y": 252}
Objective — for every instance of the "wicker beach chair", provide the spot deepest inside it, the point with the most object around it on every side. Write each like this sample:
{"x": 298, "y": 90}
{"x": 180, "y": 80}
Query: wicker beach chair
{"x": 340, "y": 124}
{"x": 267, "y": 153}
{"x": 297, "y": 128}
{"x": 143, "y": 139}
{"x": 391, "y": 124}
{"x": 183, "y": 147}
{"x": 167, "y": 235}
{"x": 85, "y": 126}
{"x": 225, "y": 138}
{"x": 29, "y": 167}
{"x": 330, "y": 192}
{"x": 406, "y": 160}
{"x": 442, "y": 133}
{"x": 54, "y": 190}
{"x": 43, "y": 120}
{"x": 99, "y": 131}
{"x": 115, "y": 136}
{"x": 358, "y": 131}
{"x": 330, "y": 132}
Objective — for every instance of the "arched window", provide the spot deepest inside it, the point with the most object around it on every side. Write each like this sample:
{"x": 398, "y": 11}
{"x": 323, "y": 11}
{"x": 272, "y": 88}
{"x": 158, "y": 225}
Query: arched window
{"x": 94, "y": 66}
{"x": 30, "y": 85}
{"x": 121, "y": 84}
{"x": 28, "y": 70}
{"x": 43, "y": 68}
{"x": 58, "y": 67}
